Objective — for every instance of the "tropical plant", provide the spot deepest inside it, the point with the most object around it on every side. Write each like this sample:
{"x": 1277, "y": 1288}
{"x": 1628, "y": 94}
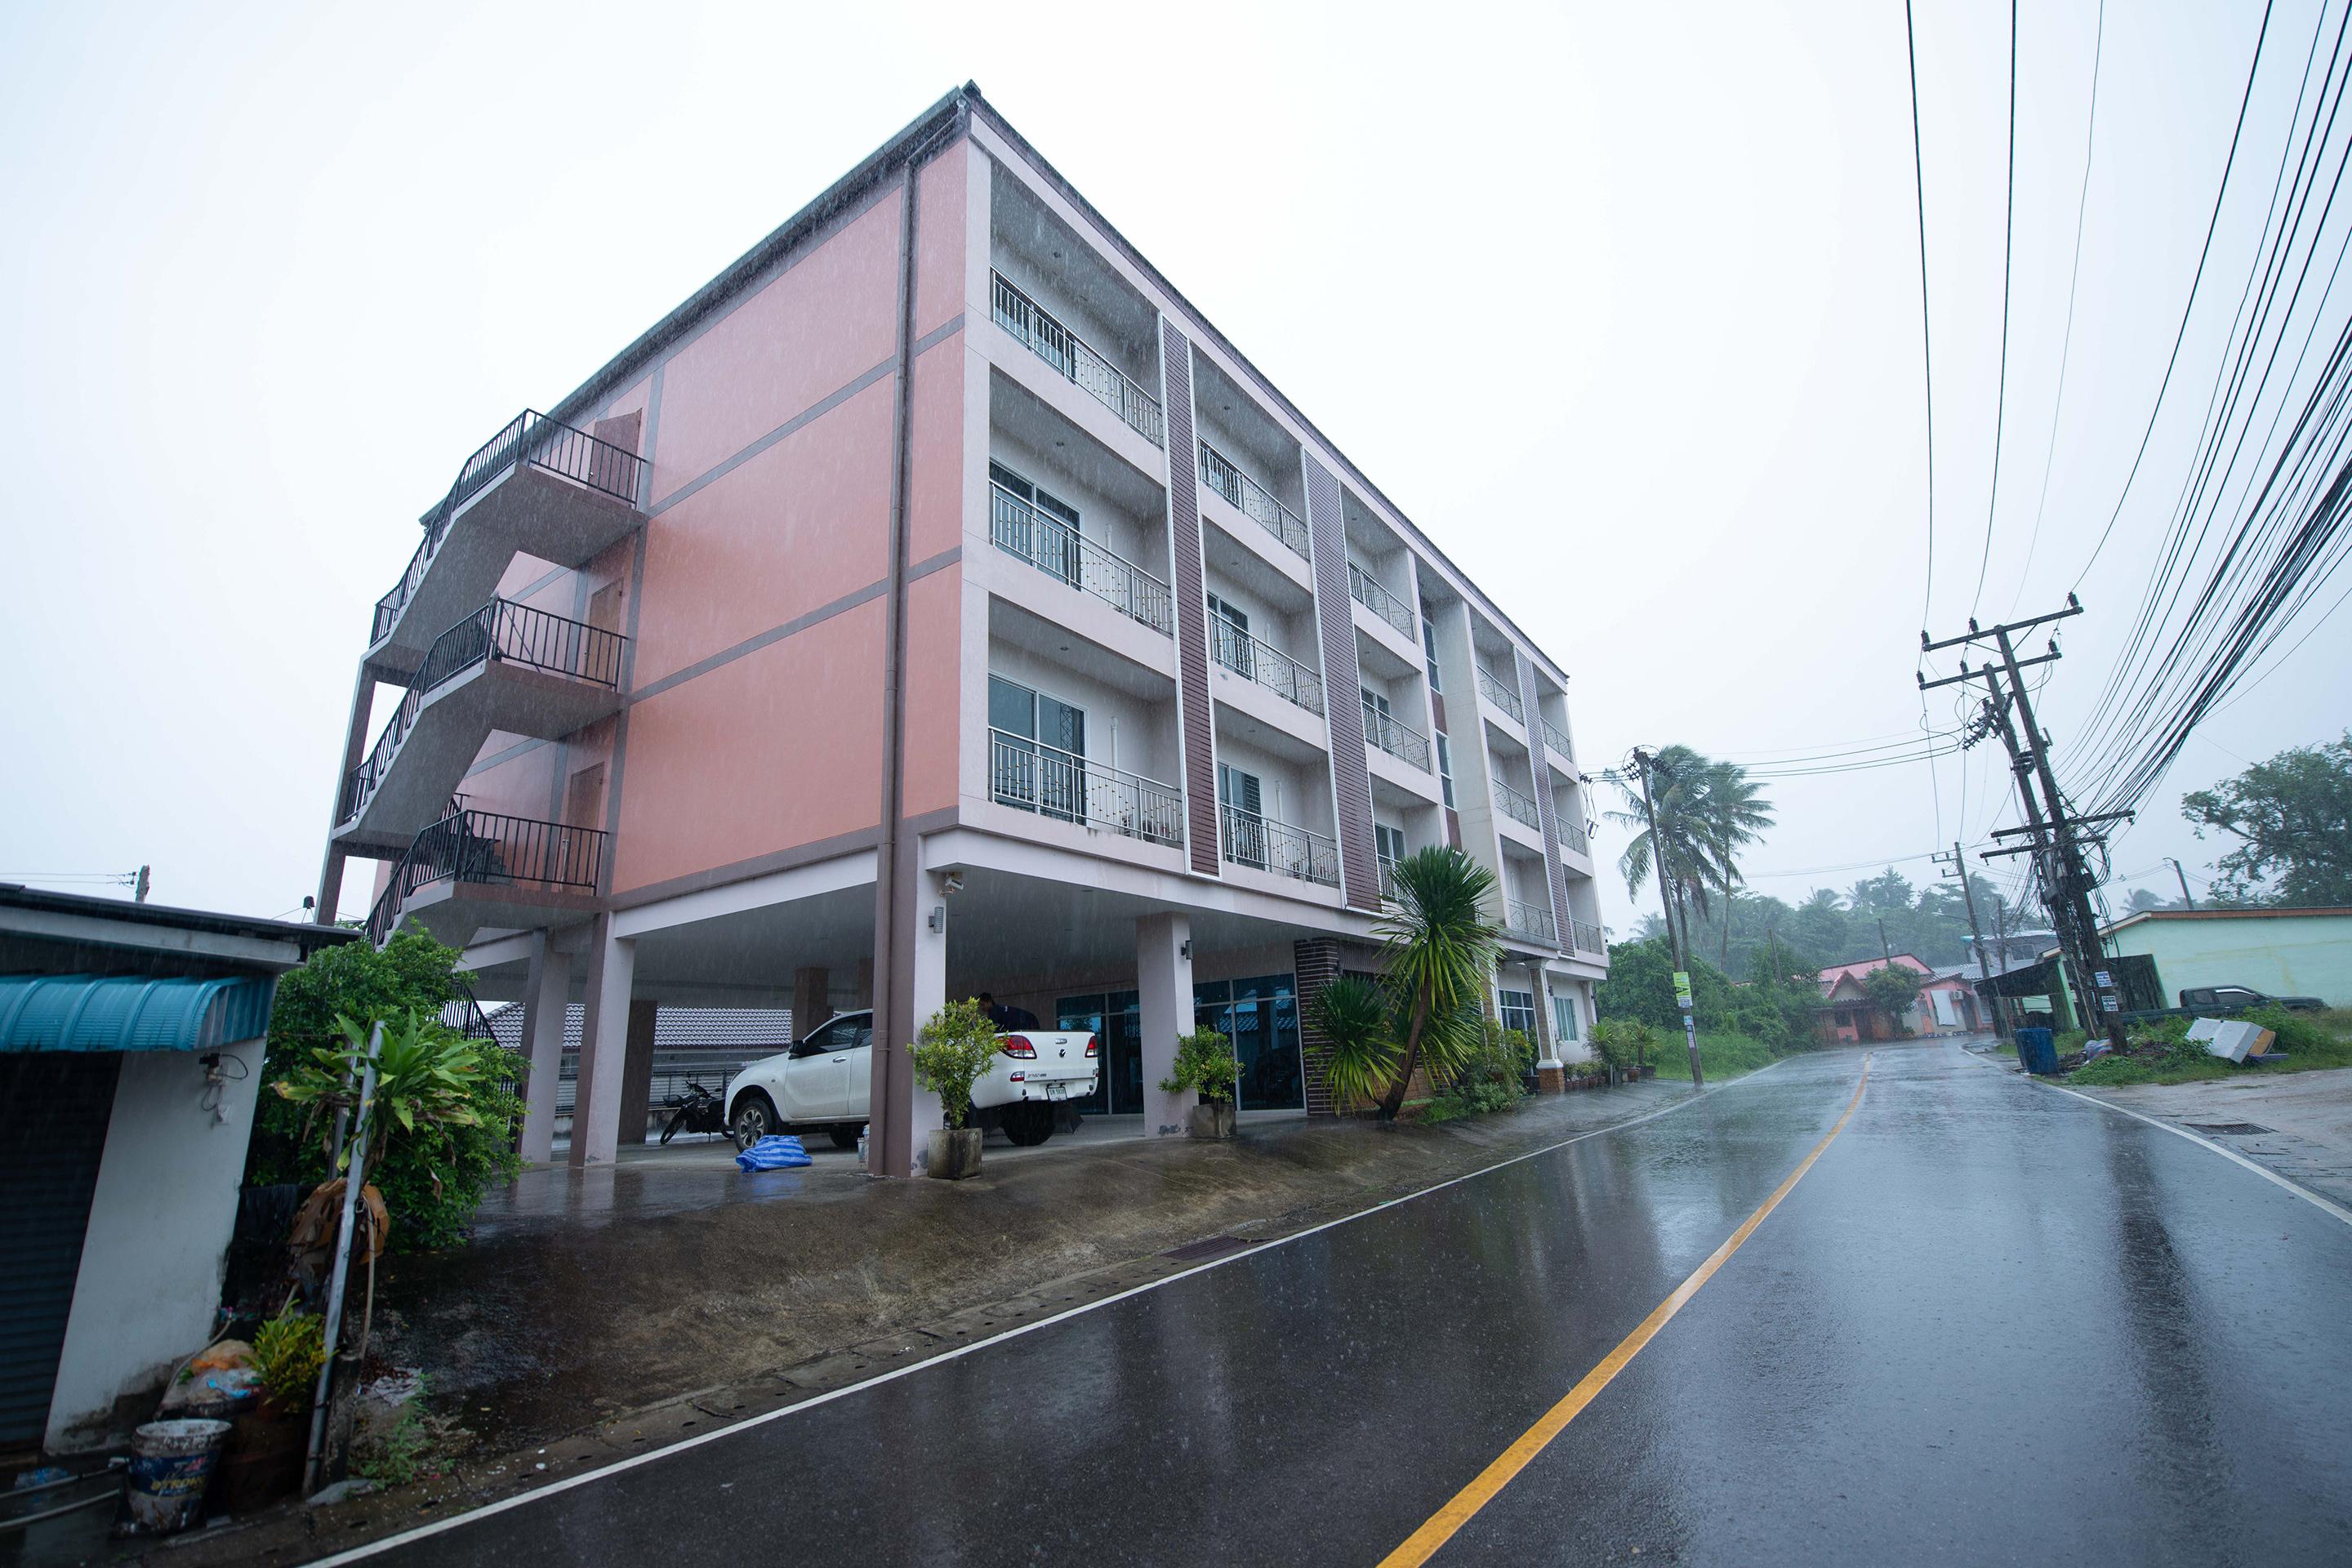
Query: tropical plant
{"x": 950, "y": 1051}
{"x": 1359, "y": 1055}
{"x": 2292, "y": 816}
{"x": 288, "y": 1350}
{"x": 1698, "y": 815}
{"x": 1204, "y": 1065}
{"x": 1620, "y": 1042}
{"x": 1437, "y": 950}
{"x": 1892, "y": 989}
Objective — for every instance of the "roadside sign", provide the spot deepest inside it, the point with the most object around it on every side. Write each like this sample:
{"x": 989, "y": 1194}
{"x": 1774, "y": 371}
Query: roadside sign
{"x": 1683, "y": 990}
{"x": 2102, "y": 979}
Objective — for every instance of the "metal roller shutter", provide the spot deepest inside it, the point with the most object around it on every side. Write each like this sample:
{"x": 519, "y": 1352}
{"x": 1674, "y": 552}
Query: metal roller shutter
{"x": 54, "y": 1107}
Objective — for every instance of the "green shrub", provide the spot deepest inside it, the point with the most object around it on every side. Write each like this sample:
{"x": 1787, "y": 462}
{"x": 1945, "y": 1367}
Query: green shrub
{"x": 1204, "y": 1064}
{"x": 288, "y": 1350}
{"x": 1359, "y": 1055}
{"x": 950, "y": 1051}
{"x": 1480, "y": 1098}
{"x": 1622, "y": 1043}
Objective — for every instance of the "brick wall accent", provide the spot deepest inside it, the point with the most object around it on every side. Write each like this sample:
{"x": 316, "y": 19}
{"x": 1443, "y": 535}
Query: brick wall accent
{"x": 1335, "y": 617}
{"x": 1315, "y": 962}
{"x": 1198, "y": 723}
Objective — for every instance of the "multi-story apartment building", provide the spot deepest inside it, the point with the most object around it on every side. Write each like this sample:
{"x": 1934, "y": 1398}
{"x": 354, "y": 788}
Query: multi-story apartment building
{"x": 937, "y": 603}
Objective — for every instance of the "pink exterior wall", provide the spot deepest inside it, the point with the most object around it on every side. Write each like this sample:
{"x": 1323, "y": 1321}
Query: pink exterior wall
{"x": 939, "y": 239}
{"x": 934, "y": 690}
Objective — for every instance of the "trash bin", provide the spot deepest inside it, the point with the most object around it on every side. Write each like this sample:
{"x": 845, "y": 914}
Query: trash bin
{"x": 2037, "y": 1051}
{"x": 170, "y": 1463}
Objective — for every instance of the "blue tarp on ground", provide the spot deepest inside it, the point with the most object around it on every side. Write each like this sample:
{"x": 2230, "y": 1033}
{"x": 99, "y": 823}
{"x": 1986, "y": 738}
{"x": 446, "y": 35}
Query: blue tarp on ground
{"x": 781, "y": 1153}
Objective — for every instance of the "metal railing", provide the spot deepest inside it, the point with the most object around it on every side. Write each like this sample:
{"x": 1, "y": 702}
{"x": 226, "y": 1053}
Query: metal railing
{"x": 1057, "y": 549}
{"x": 1501, "y": 695}
{"x": 1368, "y": 591}
{"x": 1054, "y": 783}
{"x": 1265, "y": 664}
{"x": 1388, "y": 882}
{"x": 469, "y": 845}
{"x": 501, "y": 632}
{"x": 1557, "y": 743}
{"x": 1078, "y": 360}
{"x": 1220, "y": 474}
{"x": 1588, "y": 937}
{"x": 530, "y": 437}
{"x": 1397, "y": 738}
{"x": 1571, "y": 837}
{"x": 1265, "y": 845}
{"x": 1516, "y": 807}
{"x": 1532, "y": 921}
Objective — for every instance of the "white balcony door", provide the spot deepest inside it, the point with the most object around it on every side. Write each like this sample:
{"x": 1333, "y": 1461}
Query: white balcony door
{"x": 1230, "y": 625}
{"x": 1047, "y": 546}
{"x": 1245, "y": 822}
{"x": 1048, "y": 773}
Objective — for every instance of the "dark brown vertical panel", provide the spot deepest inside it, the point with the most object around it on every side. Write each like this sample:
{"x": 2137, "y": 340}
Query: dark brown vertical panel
{"x": 1314, "y": 963}
{"x": 1351, "y": 772}
{"x": 1192, "y": 605}
{"x": 1553, "y": 874}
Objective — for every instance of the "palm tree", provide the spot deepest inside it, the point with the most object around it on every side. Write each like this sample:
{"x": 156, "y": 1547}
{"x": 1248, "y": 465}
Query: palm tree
{"x": 1706, "y": 813}
{"x": 1439, "y": 947}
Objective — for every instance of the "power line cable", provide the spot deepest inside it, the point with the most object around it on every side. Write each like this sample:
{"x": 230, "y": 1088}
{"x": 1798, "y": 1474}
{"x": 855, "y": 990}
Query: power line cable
{"x": 2008, "y": 259}
{"x": 1926, "y": 331}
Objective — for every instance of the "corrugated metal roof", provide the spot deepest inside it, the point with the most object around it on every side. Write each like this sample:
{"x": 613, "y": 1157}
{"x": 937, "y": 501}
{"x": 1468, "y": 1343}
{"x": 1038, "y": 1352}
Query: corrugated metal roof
{"x": 129, "y": 1013}
{"x": 754, "y": 1031}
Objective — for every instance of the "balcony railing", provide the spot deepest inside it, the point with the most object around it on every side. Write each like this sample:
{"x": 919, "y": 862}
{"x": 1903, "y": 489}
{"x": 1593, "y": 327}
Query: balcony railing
{"x": 1268, "y": 666}
{"x": 1218, "y": 473}
{"x": 530, "y": 437}
{"x": 1070, "y": 354}
{"x": 1057, "y": 549}
{"x": 1397, "y": 738}
{"x": 1070, "y": 788}
{"x": 1367, "y": 591}
{"x": 1555, "y": 742}
{"x": 1588, "y": 937}
{"x": 499, "y": 632}
{"x": 1571, "y": 837}
{"x": 469, "y": 845}
{"x": 1501, "y": 695}
{"x": 1265, "y": 845}
{"x": 1388, "y": 882}
{"x": 1532, "y": 921}
{"x": 1516, "y": 807}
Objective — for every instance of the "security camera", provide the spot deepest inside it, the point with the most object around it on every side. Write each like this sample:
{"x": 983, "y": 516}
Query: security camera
{"x": 955, "y": 882}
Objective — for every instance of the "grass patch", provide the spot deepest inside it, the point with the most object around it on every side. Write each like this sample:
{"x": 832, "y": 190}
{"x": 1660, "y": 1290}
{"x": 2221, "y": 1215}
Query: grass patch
{"x": 1721, "y": 1056}
{"x": 2311, "y": 1042}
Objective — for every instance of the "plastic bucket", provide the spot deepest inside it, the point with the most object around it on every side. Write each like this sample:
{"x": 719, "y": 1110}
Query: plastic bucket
{"x": 170, "y": 1463}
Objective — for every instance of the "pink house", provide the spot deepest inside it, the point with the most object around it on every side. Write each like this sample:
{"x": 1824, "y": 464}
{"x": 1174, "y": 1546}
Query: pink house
{"x": 1947, "y": 1004}
{"x": 937, "y": 602}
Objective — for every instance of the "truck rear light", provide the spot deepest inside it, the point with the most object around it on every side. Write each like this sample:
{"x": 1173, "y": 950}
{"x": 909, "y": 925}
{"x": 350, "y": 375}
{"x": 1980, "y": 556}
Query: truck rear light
{"x": 1094, "y": 1044}
{"x": 1019, "y": 1046}
{"x": 1019, "y": 1075}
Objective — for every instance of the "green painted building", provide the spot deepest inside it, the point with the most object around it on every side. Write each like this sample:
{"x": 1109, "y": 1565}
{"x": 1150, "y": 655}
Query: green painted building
{"x": 2286, "y": 953}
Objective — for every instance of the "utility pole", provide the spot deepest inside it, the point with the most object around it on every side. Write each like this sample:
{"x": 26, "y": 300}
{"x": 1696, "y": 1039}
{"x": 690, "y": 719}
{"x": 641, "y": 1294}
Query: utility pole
{"x": 1885, "y": 954}
{"x": 1960, "y": 868}
{"x": 1674, "y": 941}
{"x": 2055, "y": 843}
{"x": 2183, "y": 876}
{"x": 139, "y": 890}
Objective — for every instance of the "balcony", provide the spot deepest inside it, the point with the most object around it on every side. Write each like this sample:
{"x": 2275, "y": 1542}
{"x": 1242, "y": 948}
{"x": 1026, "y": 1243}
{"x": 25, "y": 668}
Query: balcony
{"x": 1263, "y": 844}
{"x": 1078, "y": 362}
{"x": 537, "y": 487}
{"x": 476, "y": 869}
{"x": 1397, "y": 738}
{"x": 1556, "y": 743}
{"x": 1032, "y": 776}
{"x": 1588, "y": 939}
{"x": 1531, "y": 922}
{"x": 1219, "y": 473}
{"x": 506, "y": 667}
{"x": 1268, "y": 666}
{"x": 1388, "y": 882}
{"x": 1571, "y": 837}
{"x": 1059, "y": 551}
{"x": 1367, "y": 592}
{"x": 1519, "y": 808}
{"x": 1501, "y": 696}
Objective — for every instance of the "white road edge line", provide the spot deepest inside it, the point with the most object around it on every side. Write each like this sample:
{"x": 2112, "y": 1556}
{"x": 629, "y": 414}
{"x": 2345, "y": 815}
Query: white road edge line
{"x": 632, "y": 1461}
{"x": 2324, "y": 1204}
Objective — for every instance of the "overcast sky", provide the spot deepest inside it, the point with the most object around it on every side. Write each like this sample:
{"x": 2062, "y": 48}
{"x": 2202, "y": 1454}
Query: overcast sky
{"x": 1621, "y": 303}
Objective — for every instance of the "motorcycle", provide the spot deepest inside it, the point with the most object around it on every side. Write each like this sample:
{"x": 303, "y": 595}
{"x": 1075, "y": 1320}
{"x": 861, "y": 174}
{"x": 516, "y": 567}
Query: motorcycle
{"x": 696, "y": 1110}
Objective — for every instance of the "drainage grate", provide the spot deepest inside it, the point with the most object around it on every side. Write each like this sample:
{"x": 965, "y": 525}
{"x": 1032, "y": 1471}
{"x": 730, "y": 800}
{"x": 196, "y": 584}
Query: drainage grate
{"x": 2227, "y": 1128}
{"x": 1215, "y": 1246}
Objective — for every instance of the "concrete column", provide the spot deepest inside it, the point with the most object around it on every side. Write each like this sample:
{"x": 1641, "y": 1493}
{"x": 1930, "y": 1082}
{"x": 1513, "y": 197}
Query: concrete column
{"x": 1539, "y": 985}
{"x": 637, "y": 1071}
{"x": 894, "y": 1099}
{"x": 812, "y": 999}
{"x": 604, "y": 1046}
{"x": 547, "y": 995}
{"x": 1163, "y": 984}
{"x": 331, "y": 871}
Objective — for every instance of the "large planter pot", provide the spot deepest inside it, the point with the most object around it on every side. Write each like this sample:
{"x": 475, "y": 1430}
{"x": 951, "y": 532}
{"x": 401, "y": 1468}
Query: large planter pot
{"x": 954, "y": 1153}
{"x": 263, "y": 1461}
{"x": 1214, "y": 1118}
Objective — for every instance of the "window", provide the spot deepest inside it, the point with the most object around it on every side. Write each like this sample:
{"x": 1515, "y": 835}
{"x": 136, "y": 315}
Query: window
{"x": 1260, "y": 1016}
{"x": 1563, "y": 1017}
{"x": 1229, "y": 637}
{"x": 1118, "y": 1019}
{"x": 1244, "y": 822}
{"x": 1388, "y": 843}
{"x": 1038, "y": 759}
{"x": 1429, "y": 645}
{"x": 1445, "y": 771}
{"x": 1517, "y": 1011}
{"x": 1047, "y": 534}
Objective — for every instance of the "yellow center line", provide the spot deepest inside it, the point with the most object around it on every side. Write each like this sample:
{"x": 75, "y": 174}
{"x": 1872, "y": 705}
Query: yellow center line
{"x": 1422, "y": 1544}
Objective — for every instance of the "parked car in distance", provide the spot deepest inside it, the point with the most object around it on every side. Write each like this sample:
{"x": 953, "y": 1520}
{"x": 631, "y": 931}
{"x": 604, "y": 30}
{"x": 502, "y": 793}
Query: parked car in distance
{"x": 823, "y": 1082}
{"x": 2240, "y": 998}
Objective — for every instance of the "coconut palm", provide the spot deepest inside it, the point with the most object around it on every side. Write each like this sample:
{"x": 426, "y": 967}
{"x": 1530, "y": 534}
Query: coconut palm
{"x": 1706, "y": 812}
{"x": 1438, "y": 948}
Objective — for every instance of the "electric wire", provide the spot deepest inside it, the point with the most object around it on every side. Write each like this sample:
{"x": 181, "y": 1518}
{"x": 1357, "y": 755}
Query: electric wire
{"x": 2008, "y": 261}
{"x": 1926, "y": 330}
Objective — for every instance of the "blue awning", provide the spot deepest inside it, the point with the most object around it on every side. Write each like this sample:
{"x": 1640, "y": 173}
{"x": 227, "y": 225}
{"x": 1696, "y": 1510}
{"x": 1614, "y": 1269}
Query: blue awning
{"x": 129, "y": 1013}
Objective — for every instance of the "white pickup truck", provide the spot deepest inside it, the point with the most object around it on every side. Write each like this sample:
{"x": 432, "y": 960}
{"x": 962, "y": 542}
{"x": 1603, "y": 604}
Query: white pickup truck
{"x": 824, "y": 1082}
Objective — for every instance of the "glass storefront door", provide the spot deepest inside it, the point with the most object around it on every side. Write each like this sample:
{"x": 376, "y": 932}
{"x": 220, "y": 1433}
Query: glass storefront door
{"x": 1260, "y": 1016}
{"x": 1118, "y": 1086}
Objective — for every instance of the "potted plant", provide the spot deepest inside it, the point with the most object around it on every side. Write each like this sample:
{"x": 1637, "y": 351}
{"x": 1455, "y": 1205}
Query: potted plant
{"x": 1205, "y": 1066}
{"x": 950, "y": 1051}
{"x": 263, "y": 1459}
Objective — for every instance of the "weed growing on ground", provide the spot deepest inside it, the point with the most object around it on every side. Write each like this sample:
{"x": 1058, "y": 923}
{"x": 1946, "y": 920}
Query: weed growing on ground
{"x": 1720, "y": 1056}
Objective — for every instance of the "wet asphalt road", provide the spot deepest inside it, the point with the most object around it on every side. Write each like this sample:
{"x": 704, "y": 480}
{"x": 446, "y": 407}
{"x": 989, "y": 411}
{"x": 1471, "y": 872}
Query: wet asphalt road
{"x": 1992, "y": 1324}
